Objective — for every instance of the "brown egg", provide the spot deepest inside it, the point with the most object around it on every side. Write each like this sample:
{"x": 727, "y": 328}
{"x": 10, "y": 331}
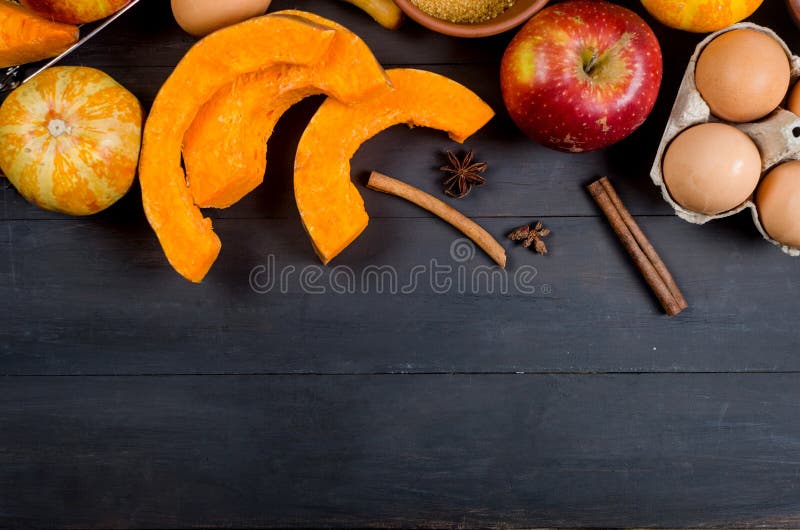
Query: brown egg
{"x": 711, "y": 168}
{"x": 778, "y": 202}
{"x": 201, "y": 17}
{"x": 794, "y": 100}
{"x": 743, "y": 75}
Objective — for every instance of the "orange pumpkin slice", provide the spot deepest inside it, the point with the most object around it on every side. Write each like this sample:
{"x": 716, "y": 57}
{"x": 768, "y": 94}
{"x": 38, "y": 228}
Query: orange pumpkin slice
{"x": 185, "y": 235}
{"x": 225, "y": 149}
{"x": 25, "y": 37}
{"x": 330, "y": 206}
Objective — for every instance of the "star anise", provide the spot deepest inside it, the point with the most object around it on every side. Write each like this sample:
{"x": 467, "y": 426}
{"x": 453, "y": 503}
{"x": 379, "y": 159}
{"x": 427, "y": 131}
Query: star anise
{"x": 531, "y": 236}
{"x": 463, "y": 175}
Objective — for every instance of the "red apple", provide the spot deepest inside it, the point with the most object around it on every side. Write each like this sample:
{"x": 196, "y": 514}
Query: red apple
{"x": 581, "y": 75}
{"x": 75, "y": 11}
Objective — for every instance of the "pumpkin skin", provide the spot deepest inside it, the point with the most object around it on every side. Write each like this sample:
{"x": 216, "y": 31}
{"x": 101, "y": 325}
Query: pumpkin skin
{"x": 69, "y": 140}
{"x": 330, "y": 205}
{"x": 700, "y": 16}
{"x": 75, "y": 11}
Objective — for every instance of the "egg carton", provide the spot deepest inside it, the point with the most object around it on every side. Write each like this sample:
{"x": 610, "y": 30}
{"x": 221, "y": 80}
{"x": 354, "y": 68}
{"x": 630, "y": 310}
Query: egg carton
{"x": 777, "y": 136}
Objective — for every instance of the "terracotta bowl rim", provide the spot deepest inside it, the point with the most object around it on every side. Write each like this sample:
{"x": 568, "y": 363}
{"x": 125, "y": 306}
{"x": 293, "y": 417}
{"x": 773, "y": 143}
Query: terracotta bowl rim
{"x": 483, "y": 29}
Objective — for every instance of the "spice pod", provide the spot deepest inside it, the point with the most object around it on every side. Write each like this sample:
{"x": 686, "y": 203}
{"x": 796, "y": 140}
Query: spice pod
{"x": 777, "y": 136}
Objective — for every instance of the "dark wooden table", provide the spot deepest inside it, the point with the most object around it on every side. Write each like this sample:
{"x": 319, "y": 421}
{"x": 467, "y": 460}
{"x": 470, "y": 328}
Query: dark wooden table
{"x": 132, "y": 398}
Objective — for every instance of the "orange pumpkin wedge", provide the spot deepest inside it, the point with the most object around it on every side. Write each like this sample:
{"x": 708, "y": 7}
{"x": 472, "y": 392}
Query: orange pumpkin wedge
{"x": 225, "y": 149}
{"x": 189, "y": 242}
{"x": 330, "y": 206}
{"x": 25, "y": 37}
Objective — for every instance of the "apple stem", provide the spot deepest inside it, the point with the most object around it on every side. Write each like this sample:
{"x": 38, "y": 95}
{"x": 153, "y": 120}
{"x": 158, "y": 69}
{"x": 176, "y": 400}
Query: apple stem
{"x": 592, "y": 62}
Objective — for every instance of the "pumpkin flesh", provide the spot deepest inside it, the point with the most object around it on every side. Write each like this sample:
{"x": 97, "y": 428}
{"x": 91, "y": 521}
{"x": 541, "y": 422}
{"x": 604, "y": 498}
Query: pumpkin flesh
{"x": 225, "y": 148}
{"x": 75, "y": 12}
{"x": 331, "y": 207}
{"x": 25, "y": 37}
{"x": 69, "y": 139}
{"x": 187, "y": 238}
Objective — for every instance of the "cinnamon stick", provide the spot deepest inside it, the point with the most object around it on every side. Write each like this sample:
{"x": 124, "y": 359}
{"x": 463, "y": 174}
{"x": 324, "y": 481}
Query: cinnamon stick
{"x": 645, "y": 244}
{"x": 644, "y": 255}
{"x": 471, "y": 229}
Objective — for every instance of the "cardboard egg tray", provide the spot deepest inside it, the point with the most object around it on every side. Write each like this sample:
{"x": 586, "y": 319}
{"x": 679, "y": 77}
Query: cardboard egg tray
{"x": 777, "y": 136}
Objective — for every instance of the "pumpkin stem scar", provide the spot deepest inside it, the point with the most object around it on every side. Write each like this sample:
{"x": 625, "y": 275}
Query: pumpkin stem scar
{"x": 57, "y": 127}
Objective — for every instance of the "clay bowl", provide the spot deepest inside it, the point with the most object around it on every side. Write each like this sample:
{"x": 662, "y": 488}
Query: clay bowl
{"x": 521, "y": 11}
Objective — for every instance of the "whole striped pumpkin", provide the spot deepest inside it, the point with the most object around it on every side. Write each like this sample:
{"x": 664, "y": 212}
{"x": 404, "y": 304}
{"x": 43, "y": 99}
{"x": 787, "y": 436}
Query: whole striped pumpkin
{"x": 70, "y": 138}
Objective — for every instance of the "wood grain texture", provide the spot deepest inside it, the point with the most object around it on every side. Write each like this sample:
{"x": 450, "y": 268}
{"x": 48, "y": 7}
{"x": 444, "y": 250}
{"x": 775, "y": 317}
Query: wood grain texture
{"x": 112, "y": 305}
{"x": 395, "y": 451}
{"x": 130, "y": 398}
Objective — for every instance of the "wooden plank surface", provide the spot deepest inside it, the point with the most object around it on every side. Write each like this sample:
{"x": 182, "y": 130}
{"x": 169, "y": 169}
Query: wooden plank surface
{"x": 595, "y": 315}
{"x": 394, "y": 451}
{"x": 131, "y": 398}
